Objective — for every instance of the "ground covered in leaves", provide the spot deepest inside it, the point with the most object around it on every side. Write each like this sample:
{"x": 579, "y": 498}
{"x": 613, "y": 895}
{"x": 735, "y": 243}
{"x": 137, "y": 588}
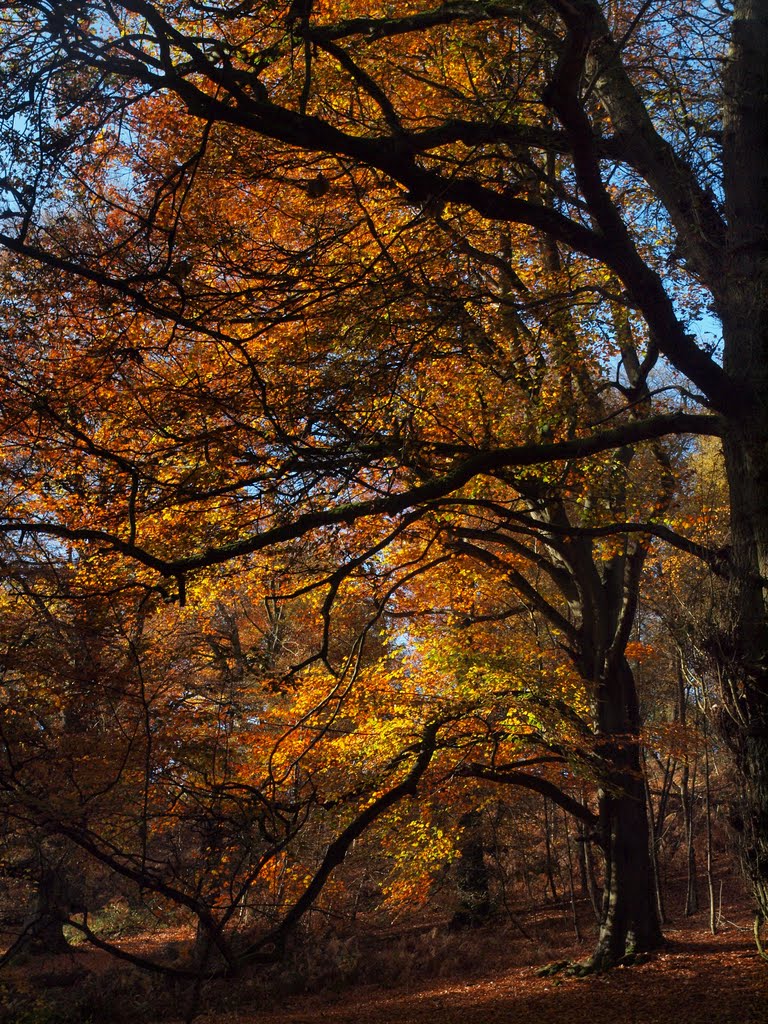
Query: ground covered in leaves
{"x": 699, "y": 980}
{"x": 423, "y": 975}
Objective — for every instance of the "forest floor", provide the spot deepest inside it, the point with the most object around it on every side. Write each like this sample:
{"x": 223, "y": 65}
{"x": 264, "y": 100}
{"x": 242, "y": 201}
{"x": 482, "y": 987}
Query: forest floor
{"x": 423, "y": 975}
{"x": 698, "y": 979}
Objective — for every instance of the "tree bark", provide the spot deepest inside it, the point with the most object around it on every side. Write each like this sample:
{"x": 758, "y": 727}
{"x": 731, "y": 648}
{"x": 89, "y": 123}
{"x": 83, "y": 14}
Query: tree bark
{"x": 43, "y": 930}
{"x": 629, "y": 920}
{"x": 743, "y": 642}
{"x": 571, "y": 885}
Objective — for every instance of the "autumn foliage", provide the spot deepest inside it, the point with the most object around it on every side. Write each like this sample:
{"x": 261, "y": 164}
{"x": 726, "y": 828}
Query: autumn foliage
{"x": 364, "y": 527}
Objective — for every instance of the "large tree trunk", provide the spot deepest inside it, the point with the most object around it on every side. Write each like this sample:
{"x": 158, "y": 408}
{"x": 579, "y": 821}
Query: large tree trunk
{"x": 741, "y": 648}
{"x": 629, "y": 920}
{"x": 741, "y": 637}
{"x": 743, "y": 654}
{"x": 43, "y": 931}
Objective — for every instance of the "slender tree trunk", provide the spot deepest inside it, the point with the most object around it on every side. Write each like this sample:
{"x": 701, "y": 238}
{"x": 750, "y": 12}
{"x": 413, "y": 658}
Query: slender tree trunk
{"x": 526, "y": 875}
{"x": 587, "y": 872}
{"x": 668, "y": 780}
{"x": 708, "y": 811}
{"x": 548, "y": 853}
{"x": 653, "y": 847}
{"x": 571, "y": 886}
{"x": 687, "y": 793}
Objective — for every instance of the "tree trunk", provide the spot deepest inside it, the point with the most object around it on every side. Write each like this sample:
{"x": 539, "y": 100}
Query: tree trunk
{"x": 571, "y": 886}
{"x": 653, "y": 848}
{"x": 472, "y": 882}
{"x": 43, "y": 931}
{"x": 548, "y": 866}
{"x": 629, "y": 920}
{"x": 743, "y": 643}
{"x": 708, "y": 810}
{"x": 742, "y": 650}
{"x": 687, "y": 790}
{"x": 687, "y": 794}
{"x": 750, "y": 816}
{"x": 587, "y": 872}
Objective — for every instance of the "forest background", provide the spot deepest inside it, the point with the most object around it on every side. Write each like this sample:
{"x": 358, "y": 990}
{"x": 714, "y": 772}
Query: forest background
{"x": 384, "y": 482}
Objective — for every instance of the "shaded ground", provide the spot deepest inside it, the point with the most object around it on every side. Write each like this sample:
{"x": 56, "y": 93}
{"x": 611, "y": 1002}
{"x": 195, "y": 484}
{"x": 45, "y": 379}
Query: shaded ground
{"x": 700, "y": 979}
{"x": 432, "y": 977}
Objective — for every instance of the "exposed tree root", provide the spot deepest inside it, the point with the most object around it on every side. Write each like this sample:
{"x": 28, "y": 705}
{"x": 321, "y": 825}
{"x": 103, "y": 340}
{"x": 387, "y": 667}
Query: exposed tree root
{"x": 594, "y": 965}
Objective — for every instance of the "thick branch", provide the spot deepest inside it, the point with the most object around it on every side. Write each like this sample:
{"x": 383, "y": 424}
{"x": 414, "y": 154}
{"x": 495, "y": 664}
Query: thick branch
{"x": 338, "y": 849}
{"x": 535, "y": 783}
{"x": 482, "y": 463}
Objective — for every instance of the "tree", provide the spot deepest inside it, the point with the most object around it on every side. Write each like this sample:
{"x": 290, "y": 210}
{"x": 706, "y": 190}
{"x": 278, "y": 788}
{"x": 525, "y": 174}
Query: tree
{"x": 152, "y": 745}
{"x": 432, "y": 144}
